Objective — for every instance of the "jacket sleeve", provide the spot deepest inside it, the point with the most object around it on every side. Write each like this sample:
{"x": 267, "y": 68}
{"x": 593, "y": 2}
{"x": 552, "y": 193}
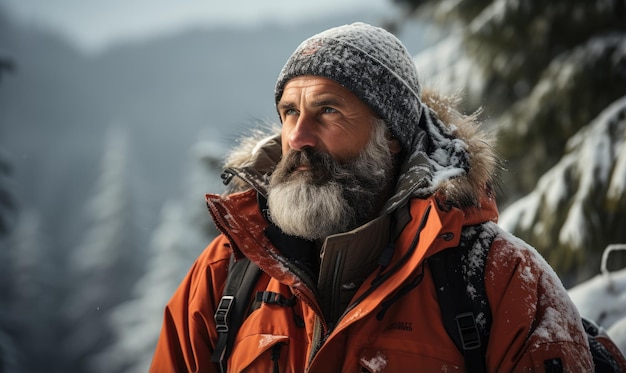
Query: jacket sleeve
{"x": 188, "y": 331}
{"x": 536, "y": 326}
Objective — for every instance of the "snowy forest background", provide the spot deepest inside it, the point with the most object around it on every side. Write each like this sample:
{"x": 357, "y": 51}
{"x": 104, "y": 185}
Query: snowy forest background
{"x": 105, "y": 158}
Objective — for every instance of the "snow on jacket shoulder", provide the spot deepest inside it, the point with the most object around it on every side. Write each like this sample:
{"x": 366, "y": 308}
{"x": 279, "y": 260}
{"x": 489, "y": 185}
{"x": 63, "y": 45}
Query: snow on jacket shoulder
{"x": 536, "y": 326}
{"x": 392, "y": 322}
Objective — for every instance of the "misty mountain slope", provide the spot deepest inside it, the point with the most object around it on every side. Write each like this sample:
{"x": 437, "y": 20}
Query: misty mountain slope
{"x": 169, "y": 92}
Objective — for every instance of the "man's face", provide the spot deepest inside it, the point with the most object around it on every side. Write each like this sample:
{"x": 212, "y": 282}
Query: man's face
{"x": 321, "y": 114}
{"x": 336, "y": 161}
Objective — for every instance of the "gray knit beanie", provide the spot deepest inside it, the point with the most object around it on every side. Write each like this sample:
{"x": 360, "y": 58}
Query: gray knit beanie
{"x": 373, "y": 64}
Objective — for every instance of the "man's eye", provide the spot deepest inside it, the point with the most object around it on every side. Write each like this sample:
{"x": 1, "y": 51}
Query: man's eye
{"x": 291, "y": 112}
{"x": 327, "y": 110}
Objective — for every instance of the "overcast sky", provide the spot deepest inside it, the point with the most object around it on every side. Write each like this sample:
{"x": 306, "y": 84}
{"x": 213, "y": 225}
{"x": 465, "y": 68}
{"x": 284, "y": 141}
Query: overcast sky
{"x": 93, "y": 24}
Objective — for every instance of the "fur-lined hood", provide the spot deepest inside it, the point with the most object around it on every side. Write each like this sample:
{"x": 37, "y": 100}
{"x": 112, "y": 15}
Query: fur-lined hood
{"x": 450, "y": 157}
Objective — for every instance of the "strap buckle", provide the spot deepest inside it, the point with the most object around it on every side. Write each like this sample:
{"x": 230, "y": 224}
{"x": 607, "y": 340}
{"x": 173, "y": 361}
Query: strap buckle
{"x": 468, "y": 330}
{"x": 222, "y": 314}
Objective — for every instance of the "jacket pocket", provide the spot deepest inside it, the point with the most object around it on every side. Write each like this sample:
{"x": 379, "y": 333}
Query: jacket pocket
{"x": 260, "y": 353}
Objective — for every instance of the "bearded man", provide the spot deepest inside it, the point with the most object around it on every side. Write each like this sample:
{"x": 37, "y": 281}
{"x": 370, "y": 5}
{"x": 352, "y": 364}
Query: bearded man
{"x": 368, "y": 179}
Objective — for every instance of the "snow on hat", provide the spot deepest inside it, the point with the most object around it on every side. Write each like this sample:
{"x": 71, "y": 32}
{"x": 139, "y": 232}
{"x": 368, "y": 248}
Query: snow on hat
{"x": 370, "y": 62}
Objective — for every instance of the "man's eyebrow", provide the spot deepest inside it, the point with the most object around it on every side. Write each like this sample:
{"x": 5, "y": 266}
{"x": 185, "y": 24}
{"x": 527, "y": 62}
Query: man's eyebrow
{"x": 286, "y": 105}
{"x": 328, "y": 101}
{"x": 321, "y": 102}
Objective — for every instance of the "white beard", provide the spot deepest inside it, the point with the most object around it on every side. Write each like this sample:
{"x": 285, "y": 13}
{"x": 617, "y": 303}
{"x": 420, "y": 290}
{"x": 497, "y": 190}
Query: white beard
{"x": 330, "y": 197}
{"x": 309, "y": 211}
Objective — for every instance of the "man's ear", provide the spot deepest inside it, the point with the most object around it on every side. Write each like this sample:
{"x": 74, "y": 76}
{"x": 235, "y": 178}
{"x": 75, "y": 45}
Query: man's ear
{"x": 394, "y": 146}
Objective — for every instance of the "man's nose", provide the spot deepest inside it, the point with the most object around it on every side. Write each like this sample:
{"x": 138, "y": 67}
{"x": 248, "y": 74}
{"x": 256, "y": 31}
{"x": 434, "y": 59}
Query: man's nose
{"x": 303, "y": 134}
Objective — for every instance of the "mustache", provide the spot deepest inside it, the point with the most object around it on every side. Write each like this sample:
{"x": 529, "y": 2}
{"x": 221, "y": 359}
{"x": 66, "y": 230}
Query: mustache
{"x": 320, "y": 167}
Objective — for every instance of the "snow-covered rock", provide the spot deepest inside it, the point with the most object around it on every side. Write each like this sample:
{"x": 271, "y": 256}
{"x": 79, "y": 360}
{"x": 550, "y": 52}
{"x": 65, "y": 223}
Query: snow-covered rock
{"x": 617, "y": 332}
{"x": 602, "y": 299}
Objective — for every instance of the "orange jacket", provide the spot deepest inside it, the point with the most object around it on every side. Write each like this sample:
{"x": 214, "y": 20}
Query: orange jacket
{"x": 533, "y": 317}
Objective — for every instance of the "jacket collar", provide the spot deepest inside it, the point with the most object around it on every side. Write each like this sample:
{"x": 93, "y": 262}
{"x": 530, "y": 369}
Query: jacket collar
{"x": 423, "y": 228}
{"x": 345, "y": 259}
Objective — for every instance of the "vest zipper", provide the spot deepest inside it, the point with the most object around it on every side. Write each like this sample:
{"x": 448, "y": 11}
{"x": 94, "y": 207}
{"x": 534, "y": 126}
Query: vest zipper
{"x": 333, "y": 311}
{"x": 382, "y": 277}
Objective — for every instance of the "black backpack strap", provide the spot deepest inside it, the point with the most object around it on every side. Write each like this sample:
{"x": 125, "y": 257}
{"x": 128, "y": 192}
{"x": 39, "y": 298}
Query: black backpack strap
{"x": 458, "y": 275}
{"x": 607, "y": 357}
{"x": 231, "y": 311}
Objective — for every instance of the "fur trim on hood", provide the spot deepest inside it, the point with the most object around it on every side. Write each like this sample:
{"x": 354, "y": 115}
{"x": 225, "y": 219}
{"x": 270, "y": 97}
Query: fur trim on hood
{"x": 483, "y": 162}
{"x": 450, "y": 156}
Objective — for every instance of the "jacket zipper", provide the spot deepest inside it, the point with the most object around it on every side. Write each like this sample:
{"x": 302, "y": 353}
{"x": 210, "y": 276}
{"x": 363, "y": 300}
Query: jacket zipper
{"x": 317, "y": 341}
{"x": 276, "y": 357}
{"x": 318, "y": 336}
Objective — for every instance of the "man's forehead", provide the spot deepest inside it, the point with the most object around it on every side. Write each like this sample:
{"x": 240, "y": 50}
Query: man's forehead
{"x": 315, "y": 87}
{"x": 303, "y": 81}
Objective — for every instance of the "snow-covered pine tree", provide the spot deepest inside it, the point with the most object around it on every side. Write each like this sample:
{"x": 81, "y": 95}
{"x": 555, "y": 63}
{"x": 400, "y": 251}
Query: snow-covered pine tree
{"x": 104, "y": 266}
{"x": 542, "y": 71}
{"x": 516, "y": 48}
{"x": 582, "y": 195}
{"x": 185, "y": 229}
{"x": 38, "y": 296}
{"x": 8, "y": 211}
